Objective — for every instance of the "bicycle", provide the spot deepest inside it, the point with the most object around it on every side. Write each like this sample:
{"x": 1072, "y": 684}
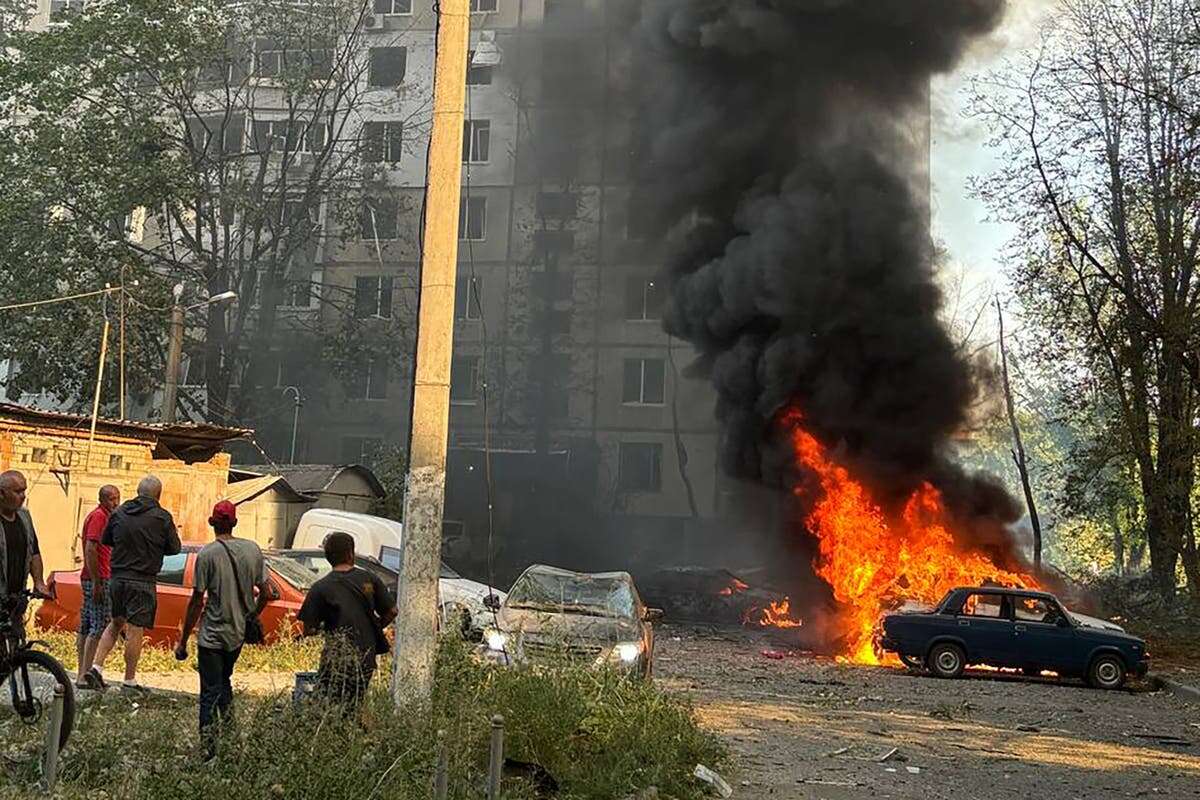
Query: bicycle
{"x": 30, "y": 674}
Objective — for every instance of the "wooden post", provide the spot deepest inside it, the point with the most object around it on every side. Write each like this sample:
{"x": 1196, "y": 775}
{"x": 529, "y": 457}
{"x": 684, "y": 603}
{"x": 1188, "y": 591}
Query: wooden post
{"x": 87, "y": 461}
{"x": 496, "y": 758}
{"x": 417, "y": 595}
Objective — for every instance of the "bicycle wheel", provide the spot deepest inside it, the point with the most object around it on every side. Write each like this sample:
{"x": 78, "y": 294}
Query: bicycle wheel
{"x": 29, "y": 690}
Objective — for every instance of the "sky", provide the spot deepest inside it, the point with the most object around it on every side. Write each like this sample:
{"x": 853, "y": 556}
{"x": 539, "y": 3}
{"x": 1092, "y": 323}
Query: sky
{"x": 959, "y": 151}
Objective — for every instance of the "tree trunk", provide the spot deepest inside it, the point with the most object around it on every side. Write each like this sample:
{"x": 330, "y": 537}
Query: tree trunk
{"x": 1018, "y": 452}
{"x": 1118, "y": 538}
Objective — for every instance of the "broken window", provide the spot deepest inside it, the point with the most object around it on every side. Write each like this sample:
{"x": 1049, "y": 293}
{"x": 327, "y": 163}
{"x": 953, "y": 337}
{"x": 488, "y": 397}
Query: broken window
{"x": 983, "y": 605}
{"x": 468, "y": 298}
{"x": 477, "y": 135}
{"x": 464, "y": 380}
{"x": 393, "y": 6}
{"x": 380, "y": 219}
{"x": 643, "y": 300}
{"x": 61, "y": 11}
{"x": 645, "y": 380}
{"x": 477, "y": 75}
{"x": 558, "y": 205}
{"x": 382, "y": 142}
{"x": 640, "y": 468}
{"x": 387, "y": 66}
{"x": 303, "y": 293}
{"x": 472, "y": 219}
{"x": 481, "y": 6}
{"x": 1035, "y": 609}
{"x": 373, "y": 297}
{"x": 369, "y": 381}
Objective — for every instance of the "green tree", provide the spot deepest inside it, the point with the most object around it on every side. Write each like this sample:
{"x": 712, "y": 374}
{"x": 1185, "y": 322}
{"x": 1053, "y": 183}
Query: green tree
{"x": 244, "y": 132}
{"x": 1097, "y": 129}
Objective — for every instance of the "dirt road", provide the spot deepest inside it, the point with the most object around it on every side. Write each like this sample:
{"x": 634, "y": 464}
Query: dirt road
{"x": 804, "y": 727}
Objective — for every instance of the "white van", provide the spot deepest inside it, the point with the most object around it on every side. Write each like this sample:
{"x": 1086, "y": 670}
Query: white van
{"x": 373, "y": 536}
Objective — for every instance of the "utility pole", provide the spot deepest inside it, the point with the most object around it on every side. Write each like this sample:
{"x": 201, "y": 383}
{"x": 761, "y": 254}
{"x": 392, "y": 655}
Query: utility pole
{"x": 425, "y": 486}
{"x": 175, "y": 345}
{"x": 174, "y": 355}
{"x": 295, "y": 418}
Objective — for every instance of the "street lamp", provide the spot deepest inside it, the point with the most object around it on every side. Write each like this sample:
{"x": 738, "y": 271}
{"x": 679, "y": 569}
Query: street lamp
{"x": 175, "y": 345}
{"x": 295, "y": 418}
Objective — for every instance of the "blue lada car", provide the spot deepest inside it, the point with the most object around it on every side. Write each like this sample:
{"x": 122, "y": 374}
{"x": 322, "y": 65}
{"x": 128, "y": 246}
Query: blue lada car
{"x": 1015, "y": 628}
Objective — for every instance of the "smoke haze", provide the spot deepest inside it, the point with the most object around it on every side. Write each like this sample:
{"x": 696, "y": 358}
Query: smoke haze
{"x": 786, "y": 145}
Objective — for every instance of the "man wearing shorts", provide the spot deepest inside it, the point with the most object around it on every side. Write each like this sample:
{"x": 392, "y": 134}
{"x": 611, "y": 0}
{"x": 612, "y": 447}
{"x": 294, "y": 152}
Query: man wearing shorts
{"x": 97, "y": 569}
{"x": 140, "y": 532}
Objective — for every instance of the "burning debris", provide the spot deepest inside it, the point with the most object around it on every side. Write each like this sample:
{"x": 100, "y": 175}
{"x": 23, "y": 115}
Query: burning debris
{"x": 785, "y": 149}
{"x": 776, "y": 615}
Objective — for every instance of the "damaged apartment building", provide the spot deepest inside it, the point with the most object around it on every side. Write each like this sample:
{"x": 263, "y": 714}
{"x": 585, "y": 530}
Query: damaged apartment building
{"x": 601, "y": 452}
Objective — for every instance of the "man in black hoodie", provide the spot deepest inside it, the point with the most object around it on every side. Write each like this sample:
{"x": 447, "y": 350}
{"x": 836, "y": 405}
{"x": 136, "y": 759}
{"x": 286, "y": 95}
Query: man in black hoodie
{"x": 140, "y": 532}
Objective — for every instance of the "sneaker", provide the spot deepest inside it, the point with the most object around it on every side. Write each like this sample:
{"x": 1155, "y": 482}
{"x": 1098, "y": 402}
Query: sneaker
{"x": 93, "y": 676}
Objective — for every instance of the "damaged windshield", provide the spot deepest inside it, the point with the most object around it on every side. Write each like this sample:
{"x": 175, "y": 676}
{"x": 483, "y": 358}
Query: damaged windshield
{"x": 573, "y": 594}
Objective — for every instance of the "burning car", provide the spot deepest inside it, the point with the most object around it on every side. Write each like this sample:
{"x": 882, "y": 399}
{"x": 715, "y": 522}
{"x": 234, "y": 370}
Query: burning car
{"x": 596, "y": 618}
{"x": 1015, "y": 628}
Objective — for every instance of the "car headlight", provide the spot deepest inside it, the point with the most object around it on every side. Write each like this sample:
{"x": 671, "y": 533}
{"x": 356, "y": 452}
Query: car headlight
{"x": 628, "y": 652}
{"x": 495, "y": 639}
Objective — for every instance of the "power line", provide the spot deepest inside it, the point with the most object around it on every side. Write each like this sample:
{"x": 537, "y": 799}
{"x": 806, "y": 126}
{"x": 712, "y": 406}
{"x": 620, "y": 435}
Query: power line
{"x": 52, "y": 300}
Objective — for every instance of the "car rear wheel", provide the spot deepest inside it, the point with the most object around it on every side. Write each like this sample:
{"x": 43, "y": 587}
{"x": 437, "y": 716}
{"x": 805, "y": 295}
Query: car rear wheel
{"x": 946, "y": 660}
{"x": 1107, "y": 672}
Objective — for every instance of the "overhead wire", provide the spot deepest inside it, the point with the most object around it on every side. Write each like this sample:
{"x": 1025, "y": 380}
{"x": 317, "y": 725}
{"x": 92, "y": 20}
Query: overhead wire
{"x": 473, "y": 295}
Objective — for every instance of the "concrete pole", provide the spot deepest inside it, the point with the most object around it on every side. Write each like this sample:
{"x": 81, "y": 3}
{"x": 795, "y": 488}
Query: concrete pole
{"x": 416, "y": 625}
{"x": 174, "y": 356}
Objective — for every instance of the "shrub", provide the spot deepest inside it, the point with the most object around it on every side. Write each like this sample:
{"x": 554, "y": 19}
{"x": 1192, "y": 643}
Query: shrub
{"x": 598, "y": 734}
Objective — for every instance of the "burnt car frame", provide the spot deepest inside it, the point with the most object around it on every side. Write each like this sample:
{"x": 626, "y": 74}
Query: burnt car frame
{"x": 596, "y": 618}
{"x": 1012, "y": 628}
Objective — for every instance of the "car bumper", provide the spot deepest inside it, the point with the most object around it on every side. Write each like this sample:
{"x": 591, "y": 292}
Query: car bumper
{"x": 1140, "y": 669}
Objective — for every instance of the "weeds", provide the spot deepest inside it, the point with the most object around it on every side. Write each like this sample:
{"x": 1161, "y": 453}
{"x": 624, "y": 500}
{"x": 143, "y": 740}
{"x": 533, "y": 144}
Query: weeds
{"x": 597, "y": 734}
{"x": 286, "y": 655}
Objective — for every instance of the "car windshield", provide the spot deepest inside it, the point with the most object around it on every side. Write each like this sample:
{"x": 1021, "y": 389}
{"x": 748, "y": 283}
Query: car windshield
{"x": 293, "y": 572}
{"x": 569, "y": 593}
{"x": 449, "y": 573}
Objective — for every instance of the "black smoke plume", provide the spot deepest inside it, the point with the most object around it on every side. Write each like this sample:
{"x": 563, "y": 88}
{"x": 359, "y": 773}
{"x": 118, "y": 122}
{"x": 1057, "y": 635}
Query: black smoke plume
{"x": 784, "y": 143}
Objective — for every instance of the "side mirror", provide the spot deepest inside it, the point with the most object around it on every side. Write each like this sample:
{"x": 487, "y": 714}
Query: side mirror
{"x": 653, "y": 615}
{"x": 491, "y": 602}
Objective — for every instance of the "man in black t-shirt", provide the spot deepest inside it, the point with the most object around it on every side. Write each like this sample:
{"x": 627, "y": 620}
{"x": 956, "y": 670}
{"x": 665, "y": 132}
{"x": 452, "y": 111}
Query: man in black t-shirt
{"x": 20, "y": 556}
{"x": 351, "y": 607}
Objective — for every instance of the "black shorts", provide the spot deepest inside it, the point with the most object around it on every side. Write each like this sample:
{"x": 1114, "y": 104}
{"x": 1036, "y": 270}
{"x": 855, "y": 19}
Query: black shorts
{"x": 136, "y": 602}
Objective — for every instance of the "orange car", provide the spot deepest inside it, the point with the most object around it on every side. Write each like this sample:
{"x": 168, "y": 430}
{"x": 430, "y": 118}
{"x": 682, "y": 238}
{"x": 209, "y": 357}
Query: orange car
{"x": 289, "y": 582}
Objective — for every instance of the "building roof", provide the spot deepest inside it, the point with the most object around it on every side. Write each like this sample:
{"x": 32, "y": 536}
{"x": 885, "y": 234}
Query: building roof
{"x": 247, "y": 490}
{"x": 314, "y": 478}
{"x": 187, "y": 441}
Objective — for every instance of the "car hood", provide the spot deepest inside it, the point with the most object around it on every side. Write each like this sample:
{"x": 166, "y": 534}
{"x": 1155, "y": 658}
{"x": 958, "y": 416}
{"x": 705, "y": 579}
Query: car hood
{"x": 547, "y": 626}
{"x": 466, "y": 592}
{"x": 1094, "y": 622}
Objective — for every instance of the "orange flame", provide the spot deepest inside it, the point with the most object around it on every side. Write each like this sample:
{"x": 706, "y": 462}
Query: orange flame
{"x": 737, "y": 587}
{"x": 872, "y": 560}
{"x": 777, "y": 615}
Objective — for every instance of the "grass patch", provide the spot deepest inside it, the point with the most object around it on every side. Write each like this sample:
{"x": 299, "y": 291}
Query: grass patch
{"x": 600, "y": 736}
{"x": 286, "y": 655}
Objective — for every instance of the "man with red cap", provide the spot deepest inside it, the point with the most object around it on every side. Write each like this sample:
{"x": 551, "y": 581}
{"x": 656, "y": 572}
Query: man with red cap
{"x": 227, "y": 571}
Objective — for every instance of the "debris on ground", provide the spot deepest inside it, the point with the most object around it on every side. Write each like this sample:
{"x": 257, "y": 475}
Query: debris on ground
{"x": 715, "y": 781}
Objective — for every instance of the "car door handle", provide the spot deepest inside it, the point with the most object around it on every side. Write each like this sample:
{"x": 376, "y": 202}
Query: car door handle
{"x": 1018, "y": 627}
{"x": 966, "y": 622}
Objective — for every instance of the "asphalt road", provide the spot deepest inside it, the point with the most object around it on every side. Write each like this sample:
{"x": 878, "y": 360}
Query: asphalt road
{"x": 806, "y": 727}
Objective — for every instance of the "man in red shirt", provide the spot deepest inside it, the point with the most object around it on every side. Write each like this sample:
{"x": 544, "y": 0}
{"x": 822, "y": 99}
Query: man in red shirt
{"x": 95, "y": 614}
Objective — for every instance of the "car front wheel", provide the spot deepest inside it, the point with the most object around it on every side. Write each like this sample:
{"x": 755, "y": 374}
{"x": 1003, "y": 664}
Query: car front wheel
{"x": 1107, "y": 672}
{"x": 946, "y": 660}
